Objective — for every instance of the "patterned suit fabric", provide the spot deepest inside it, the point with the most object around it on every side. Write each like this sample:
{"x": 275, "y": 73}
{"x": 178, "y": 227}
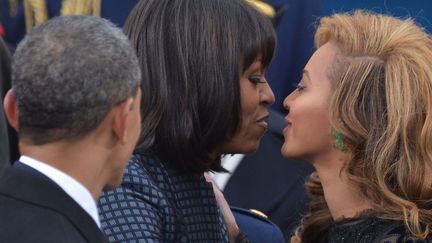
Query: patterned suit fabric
{"x": 156, "y": 203}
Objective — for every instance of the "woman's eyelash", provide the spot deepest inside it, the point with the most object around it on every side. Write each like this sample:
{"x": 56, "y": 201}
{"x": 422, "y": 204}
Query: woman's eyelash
{"x": 256, "y": 79}
{"x": 300, "y": 87}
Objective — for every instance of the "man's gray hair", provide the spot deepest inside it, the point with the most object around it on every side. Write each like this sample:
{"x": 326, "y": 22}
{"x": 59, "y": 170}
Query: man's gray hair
{"x": 68, "y": 73}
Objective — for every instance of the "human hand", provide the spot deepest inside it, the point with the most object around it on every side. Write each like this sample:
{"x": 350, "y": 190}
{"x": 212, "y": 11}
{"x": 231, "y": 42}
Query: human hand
{"x": 233, "y": 229}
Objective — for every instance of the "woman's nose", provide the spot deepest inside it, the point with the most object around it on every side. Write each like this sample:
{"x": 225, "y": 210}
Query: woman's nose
{"x": 267, "y": 96}
{"x": 287, "y": 101}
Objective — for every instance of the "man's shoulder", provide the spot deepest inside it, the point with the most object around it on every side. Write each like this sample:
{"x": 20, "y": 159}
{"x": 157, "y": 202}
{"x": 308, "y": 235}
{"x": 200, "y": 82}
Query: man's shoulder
{"x": 31, "y": 202}
{"x": 25, "y": 221}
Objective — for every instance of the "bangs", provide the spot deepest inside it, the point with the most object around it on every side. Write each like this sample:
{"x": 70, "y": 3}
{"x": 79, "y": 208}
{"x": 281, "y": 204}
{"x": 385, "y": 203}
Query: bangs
{"x": 257, "y": 38}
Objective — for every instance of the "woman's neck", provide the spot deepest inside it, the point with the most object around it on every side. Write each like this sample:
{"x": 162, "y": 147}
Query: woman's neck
{"x": 343, "y": 199}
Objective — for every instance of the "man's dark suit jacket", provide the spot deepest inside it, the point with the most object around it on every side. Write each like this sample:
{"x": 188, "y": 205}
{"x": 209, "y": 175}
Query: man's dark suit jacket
{"x": 34, "y": 209}
{"x": 270, "y": 183}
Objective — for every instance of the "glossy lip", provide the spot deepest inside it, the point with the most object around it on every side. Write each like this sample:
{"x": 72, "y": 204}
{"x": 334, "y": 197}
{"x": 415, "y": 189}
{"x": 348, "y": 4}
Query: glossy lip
{"x": 289, "y": 124}
{"x": 263, "y": 121}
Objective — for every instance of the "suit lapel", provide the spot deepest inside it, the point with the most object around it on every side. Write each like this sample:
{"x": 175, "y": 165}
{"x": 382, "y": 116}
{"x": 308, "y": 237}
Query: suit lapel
{"x": 24, "y": 183}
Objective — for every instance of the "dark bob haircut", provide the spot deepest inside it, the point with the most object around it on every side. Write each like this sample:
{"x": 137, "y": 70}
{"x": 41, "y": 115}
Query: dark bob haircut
{"x": 191, "y": 52}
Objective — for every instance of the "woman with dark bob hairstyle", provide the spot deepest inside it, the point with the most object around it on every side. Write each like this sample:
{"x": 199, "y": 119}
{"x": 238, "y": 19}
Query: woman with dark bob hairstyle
{"x": 362, "y": 116}
{"x": 205, "y": 62}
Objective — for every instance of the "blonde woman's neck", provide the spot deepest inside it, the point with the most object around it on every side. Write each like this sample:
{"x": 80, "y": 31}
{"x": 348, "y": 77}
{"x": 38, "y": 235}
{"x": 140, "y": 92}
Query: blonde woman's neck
{"x": 342, "y": 197}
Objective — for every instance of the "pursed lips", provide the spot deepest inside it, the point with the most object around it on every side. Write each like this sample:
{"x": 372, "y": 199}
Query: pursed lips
{"x": 262, "y": 121}
{"x": 289, "y": 124}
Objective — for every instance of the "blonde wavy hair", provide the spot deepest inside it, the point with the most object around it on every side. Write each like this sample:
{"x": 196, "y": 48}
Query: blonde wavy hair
{"x": 382, "y": 105}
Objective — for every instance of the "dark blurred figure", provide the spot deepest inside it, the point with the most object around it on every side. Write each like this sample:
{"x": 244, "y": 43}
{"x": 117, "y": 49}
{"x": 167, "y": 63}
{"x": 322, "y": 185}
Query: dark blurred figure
{"x": 9, "y": 150}
{"x": 5, "y": 69}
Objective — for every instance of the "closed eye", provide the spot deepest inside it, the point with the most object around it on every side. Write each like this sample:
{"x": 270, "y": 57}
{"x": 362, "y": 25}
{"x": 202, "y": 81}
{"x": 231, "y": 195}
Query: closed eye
{"x": 300, "y": 87}
{"x": 256, "y": 79}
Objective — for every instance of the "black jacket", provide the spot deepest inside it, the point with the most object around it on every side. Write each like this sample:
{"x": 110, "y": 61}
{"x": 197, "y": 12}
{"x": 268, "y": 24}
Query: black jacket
{"x": 34, "y": 209}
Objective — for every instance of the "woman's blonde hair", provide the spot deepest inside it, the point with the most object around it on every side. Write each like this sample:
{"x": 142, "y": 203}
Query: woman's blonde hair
{"x": 382, "y": 105}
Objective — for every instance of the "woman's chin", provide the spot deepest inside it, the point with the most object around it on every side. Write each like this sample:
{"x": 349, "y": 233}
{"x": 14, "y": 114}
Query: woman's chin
{"x": 248, "y": 148}
{"x": 289, "y": 153}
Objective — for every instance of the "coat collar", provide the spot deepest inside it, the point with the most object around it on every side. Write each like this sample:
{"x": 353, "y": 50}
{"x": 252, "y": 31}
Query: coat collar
{"x": 25, "y": 183}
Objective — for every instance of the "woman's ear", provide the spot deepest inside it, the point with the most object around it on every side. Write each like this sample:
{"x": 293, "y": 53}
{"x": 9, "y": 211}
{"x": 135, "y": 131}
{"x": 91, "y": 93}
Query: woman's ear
{"x": 11, "y": 109}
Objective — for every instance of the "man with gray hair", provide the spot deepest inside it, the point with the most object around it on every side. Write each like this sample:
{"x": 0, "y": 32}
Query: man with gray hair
{"x": 75, "y": 102}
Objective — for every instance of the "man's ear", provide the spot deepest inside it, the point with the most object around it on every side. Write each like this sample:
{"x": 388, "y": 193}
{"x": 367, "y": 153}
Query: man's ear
{"x": 11, "y": 109}
{"x": 121, "y": 119}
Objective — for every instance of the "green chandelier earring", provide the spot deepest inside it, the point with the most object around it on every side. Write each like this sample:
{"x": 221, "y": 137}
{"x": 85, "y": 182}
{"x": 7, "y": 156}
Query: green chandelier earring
{"x": 339, "y": 140}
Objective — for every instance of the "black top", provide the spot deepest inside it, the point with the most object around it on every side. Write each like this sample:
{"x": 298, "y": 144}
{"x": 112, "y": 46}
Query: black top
{"x": 370, "y": 229}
